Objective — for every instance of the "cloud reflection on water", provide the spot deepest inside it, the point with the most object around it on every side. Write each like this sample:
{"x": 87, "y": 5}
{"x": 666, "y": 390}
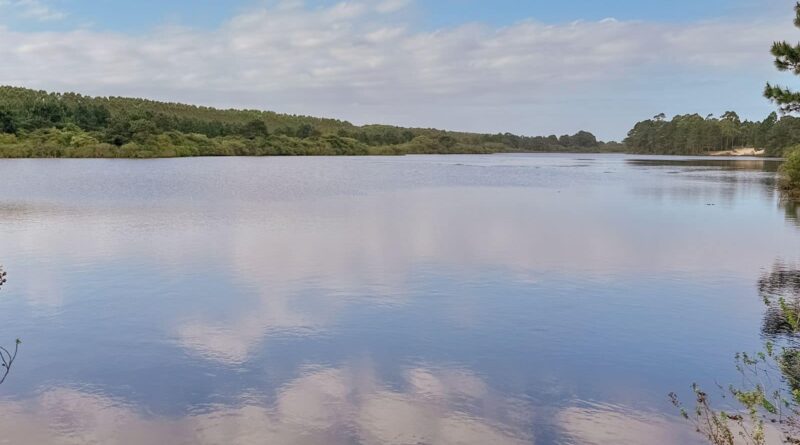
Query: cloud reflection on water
{"x": 221, "y": 276}
{"x": 324, "y": 405}
{"x": 307, "y": 264}
{"x": 343, "y": 405}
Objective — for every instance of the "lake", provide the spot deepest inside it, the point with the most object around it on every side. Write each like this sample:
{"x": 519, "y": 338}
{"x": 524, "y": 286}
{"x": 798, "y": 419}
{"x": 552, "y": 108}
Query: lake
{"x": 499, "y": 299}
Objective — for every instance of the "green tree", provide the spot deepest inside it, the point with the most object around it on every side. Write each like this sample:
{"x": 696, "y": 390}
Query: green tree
{"x": 305, "y": 131}
{"x": 90, "y": 116}
{"x": 7, "y": 122}
{"x": 118, "y": 131}
{"x": 787, "y": 58}
{"x": 143, "y": 130}
{"x": 764, "y": 128}
{"x": 584, "y": 139}
{"x": 730, "y": 126}
{"x": 255, "y": 129}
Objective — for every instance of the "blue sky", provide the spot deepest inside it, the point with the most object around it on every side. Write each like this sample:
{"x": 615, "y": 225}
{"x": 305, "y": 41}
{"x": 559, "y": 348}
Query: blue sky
{"x": 146, "y": 14}
{"x": 530, "y": 67}
{"x": 508, "y": 11}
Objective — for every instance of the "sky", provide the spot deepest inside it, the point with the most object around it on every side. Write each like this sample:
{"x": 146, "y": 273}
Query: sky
{"x": 530, "y": 67}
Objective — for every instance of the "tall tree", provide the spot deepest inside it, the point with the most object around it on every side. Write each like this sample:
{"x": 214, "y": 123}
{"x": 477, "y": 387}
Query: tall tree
{"x": 7, "y": 123}
{"x": 787, "y": 58}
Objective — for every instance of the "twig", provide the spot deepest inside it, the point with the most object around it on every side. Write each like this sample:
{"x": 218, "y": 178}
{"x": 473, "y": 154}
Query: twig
{"x": 8, "y": 359}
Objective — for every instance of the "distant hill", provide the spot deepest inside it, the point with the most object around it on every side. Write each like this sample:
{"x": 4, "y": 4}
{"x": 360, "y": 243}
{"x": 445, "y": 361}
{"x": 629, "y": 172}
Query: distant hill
{"x": 42, "y": 124}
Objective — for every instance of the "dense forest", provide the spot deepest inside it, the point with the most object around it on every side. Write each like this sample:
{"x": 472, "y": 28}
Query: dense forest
{"x": 41, "y": 124}
{"x": 692, "y": 134}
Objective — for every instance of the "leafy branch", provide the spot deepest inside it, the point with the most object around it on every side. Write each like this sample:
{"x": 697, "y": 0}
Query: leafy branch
{"x": 7, "y": 359}
{"x": 762, "y": 401}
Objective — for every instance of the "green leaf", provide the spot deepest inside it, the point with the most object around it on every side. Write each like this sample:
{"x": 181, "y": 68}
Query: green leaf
{"x": 768, "y": 406}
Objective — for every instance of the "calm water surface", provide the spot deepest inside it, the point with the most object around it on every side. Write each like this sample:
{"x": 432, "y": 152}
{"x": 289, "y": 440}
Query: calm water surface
{"x": 505, "y": 299}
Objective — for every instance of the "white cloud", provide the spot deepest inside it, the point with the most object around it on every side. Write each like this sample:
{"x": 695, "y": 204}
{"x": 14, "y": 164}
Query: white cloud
{"x": 353, "y": 60}
{"x": 30, "y": 9}
{"x": 389, "y": 6}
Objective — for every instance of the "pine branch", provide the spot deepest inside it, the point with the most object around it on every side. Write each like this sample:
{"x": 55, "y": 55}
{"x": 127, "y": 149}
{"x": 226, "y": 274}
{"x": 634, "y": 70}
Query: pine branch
{"x": 788, "y": 100}
{"x": 797, "y": 14}
{"x": 787, "y": 56}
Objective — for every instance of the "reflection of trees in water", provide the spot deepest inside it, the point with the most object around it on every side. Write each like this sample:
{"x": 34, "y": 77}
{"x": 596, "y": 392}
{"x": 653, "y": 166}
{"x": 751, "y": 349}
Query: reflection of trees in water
{"x": 780, "y": 289}
{"x": 724, "y": 172}
{"x": 728, "y": 179}
{"x": 764, "y": 165}
{"x": 792, "y": 209}
{"x": 721, "y": 190}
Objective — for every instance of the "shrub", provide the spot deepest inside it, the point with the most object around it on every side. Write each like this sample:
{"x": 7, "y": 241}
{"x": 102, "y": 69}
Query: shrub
{"x": 791, "y": 170}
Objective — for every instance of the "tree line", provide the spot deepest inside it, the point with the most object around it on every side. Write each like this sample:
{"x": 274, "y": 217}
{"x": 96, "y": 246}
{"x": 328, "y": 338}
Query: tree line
{"x": 692, "y": 134}
{"x": 41, "y": 124}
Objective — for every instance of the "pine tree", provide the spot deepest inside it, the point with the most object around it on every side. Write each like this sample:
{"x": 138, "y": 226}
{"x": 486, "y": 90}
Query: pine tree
{"x": 787, "y": 57}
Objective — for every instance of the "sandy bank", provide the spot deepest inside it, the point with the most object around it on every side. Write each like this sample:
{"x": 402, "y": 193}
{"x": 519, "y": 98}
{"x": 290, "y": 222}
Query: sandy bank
{"x": 738, "y": 152}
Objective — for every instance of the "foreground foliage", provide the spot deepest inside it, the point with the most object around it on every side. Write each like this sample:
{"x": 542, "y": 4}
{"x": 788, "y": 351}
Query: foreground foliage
{"x": 767, "y": 401}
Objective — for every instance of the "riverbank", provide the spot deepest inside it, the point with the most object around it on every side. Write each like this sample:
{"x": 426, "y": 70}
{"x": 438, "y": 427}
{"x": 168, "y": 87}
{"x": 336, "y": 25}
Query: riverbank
{"x": 76, "y": 143}
{"x": 280, "y": 146}
{"x": 739, "y": 152}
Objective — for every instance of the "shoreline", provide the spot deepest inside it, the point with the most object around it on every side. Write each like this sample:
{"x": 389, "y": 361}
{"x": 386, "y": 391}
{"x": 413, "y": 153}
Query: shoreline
{"x": 739, "y": 152}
